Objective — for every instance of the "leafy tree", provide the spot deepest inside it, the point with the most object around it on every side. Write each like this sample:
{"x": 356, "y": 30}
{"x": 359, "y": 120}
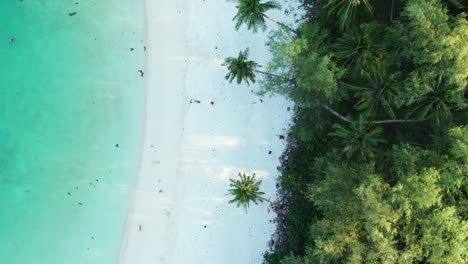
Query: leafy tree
{"x": 252, "y": 14}
{"x": 357, "y": 223}
{"x": 368, "y": 221}
{"x": 459, "y": 146}
{"x": 246, "y": 191}
{"x": 432, "y": 45}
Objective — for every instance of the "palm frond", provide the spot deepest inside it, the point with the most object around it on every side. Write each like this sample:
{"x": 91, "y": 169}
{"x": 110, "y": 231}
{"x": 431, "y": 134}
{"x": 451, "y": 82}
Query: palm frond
{"x": 251, "y": 13}
{"x": 241, "y": 68}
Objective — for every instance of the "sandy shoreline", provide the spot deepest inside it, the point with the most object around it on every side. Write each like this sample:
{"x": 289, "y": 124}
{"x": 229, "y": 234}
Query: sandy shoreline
{"x": 180, "y": 213}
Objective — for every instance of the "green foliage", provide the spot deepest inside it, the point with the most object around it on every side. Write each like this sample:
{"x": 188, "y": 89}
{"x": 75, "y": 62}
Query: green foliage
{"x": 245, "y": 190}
{"x": 295, "y": 260}
{"x": 251, "y": 13}
{"x": 357, "y": 225}
{"x": 433, "y": 47}
{"x": 430, "y": 231}
{"x": 287, "y": 53}
{"x": 368, "y": 221}
{"x": 375, "y": 192}
{"x": 286, "y": 49}
{"x": 317, "y": 80}
{"x": 241, "y": 68}
{"x": 459, "y": 140}
{"x": 271, "y": 258}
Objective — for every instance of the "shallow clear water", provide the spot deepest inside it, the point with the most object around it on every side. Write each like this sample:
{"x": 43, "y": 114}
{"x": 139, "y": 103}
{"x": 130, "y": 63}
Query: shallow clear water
{"x": 69, "y": 92}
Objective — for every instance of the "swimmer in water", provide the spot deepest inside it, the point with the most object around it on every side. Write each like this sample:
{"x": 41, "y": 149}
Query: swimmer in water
{"x": 11, "y": 40}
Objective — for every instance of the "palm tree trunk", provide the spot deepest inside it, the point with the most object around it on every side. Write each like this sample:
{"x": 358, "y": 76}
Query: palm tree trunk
{"x": 385, "y": 121}
{"x": 391, "y": 12}
{"x": 268, "y": 74}
{"x": 281, "y": 24}
{"x": 268, "y": 201}
{"x": 333, "y": 112}
{"x": 274, "y": 75}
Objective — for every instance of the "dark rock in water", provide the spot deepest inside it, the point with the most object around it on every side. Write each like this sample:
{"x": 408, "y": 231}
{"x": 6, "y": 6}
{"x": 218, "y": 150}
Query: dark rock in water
{"x": 72, "y": 13}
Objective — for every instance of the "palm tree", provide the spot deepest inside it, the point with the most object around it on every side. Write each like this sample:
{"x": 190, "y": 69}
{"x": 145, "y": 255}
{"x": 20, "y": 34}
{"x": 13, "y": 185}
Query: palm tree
{"x": 378, "y": 94}
{"x": 347, "y": 11}
{"x": 439, "y": 102}
{"x": 252, "y": 13}
{"x": 358, "y": 49}
{"x": 242, "y": 69}
{"x": 246, "y": 190}
{"x": 360, "y": 140}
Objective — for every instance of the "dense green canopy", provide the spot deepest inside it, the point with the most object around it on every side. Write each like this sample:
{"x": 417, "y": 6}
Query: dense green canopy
{"x": 378, "y": 168}
{"x": 381, "y": 135}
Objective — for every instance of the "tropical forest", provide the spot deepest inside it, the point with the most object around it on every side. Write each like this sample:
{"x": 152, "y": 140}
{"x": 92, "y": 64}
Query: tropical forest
{"x": 376, "y": 166}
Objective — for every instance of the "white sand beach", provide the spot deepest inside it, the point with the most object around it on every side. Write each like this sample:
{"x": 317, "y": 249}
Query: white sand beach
{"x": 180, "y": 212}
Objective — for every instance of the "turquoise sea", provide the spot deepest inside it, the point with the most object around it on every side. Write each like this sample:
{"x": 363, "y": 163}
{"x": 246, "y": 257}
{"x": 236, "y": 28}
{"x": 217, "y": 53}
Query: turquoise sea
{"x": 71, "y": 122}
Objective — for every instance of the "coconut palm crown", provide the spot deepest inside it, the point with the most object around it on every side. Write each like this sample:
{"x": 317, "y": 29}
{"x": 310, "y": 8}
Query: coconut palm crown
{"x": 245, "y": 190}
{"x": 252, "y": 14}
{"x": 359, "y": 141}
{"x": 241, "y": 68}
